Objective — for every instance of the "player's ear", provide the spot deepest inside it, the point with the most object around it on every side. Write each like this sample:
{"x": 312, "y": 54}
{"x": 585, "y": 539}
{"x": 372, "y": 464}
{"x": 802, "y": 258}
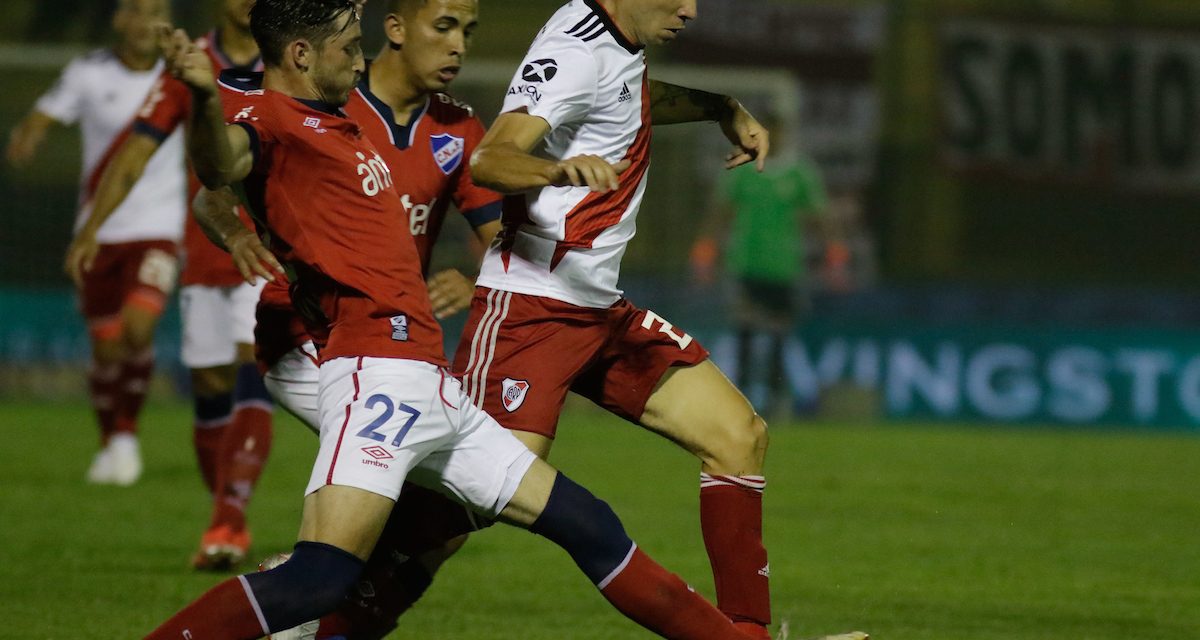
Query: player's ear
{"x": 393, "y": 29}
{"x": 300, "y": 53}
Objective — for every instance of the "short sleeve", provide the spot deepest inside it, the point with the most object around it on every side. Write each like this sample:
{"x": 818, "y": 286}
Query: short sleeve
{"x": 166, "y": 106}
{"x": 249, "y": 111}
{"x": 477, "y": 204}
{"x": 64, "y": 101}
{"x": 557, "y": 81}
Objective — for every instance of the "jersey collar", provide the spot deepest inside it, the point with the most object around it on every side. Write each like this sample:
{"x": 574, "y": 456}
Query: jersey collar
{"x": 401, "y": 134}
{"x": 612, "y": 27}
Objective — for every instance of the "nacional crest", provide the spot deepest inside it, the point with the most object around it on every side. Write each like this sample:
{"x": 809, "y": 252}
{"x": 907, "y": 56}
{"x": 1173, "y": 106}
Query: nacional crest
{"x": 513, "y": 393}
{"x": 447, "y": 151}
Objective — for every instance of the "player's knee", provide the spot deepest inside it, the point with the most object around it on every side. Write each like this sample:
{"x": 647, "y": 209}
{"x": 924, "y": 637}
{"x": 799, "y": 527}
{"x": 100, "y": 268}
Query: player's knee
{"x": 738, "y": 446}
{"x": 310, "y": 584}
{"x": 138, "y": 336}
{"x": 585, "y": 527}
{"x": 212, "y": 381}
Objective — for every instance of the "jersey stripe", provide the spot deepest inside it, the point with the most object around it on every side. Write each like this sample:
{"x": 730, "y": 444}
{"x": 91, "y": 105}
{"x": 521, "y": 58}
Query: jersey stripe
{"x": 589, "y": 21}
{"x": 599, "y": 211}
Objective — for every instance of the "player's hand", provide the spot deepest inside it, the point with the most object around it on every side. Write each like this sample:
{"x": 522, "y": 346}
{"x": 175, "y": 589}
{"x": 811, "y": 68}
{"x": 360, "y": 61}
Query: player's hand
{"x": 594, "y": 172}
{"x": 81, "y": 254}
{"x": 186, "y": 60}
{"x": 252, "y": 259}
{"x": 449, "y": 292}
{"x": 751, "y": 141}
{"x": 22, "y": 145}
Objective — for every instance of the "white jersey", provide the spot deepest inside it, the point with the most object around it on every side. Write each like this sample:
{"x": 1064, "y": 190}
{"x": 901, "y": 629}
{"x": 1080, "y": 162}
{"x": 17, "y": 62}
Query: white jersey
{"x": 103, "y": 95}
{"x": 583, "y": 77}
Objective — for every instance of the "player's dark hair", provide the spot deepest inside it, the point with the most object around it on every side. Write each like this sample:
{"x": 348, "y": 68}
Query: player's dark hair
{"x": 275, "y": 23}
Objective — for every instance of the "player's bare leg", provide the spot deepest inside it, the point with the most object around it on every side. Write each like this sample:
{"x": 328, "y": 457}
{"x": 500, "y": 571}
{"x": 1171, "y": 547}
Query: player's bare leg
{"x": 701, "y": 410}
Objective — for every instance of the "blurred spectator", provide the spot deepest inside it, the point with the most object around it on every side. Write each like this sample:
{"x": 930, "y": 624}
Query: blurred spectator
{"x": 758, "y": 220}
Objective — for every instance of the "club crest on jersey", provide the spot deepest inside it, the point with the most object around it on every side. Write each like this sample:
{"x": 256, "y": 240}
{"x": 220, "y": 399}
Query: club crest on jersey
{"x": 400, "y": 328}
{"x": 513, "y": 393}
{"x": 447, "y": 151}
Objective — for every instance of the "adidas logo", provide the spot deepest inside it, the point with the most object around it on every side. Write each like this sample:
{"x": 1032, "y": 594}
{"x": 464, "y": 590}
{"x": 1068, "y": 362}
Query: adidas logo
{"x": 625, "y": 96}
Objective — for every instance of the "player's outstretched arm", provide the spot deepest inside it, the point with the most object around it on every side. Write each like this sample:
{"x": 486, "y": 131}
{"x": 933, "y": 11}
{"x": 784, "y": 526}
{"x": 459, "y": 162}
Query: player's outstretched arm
{"x": 220, "y": 153}
{"x": 672, "y": 104}
{"x": 503, "y": 162}
{"x": 26, "y": 138}
{"x": 118, "y": 179}
{"x": 216, "y": 213}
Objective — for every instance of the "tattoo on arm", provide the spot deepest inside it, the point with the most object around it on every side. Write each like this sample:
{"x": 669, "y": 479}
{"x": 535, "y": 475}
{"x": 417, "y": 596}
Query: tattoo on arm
{"x": 690, "y": 104}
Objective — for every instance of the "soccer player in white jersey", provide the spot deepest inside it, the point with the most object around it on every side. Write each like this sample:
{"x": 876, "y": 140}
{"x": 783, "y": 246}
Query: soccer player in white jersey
{"x": 124, "y": 293}
{"x": 572, "y": 146}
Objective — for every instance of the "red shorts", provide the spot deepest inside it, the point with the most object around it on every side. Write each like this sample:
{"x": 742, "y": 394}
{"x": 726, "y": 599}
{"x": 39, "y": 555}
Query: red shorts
{"x": 520, "y": 354}
{"x": 140, "y": 274}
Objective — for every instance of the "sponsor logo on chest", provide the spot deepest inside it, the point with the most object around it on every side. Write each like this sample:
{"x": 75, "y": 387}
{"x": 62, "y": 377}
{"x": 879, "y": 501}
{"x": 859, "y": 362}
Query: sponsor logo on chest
{"x": 376, "y": 176}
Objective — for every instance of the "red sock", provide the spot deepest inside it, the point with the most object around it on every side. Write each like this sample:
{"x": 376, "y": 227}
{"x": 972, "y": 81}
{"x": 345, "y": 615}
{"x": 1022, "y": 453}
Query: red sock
{"x": 102, "y": 387}
{"x": 731, "y": 520}
{"x": 226, "y": 612}
{"x": 244, "y": 449}
{"x": 212, "y": 416}
{"x": 131, "y": 389}
{"x": 660, "y": 601}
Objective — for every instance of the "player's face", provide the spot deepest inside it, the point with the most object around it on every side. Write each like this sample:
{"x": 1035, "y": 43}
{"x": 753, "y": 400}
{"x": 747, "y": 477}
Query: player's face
{"x": 657, "y": 21}
{"x": 237, "y": 12}
{"x": 436, "y": 39}
{"x": 338, "y": 63}
{"x": 136, "y": 23}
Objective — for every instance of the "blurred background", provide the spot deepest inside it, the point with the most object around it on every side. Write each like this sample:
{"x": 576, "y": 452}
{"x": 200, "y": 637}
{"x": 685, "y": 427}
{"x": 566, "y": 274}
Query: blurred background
{"x": 999, "y": 226}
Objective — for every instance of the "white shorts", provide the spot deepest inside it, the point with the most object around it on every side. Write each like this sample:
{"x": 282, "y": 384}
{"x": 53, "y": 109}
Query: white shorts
{"x": 215, "y": 321}
{"x": 294, "y": 383}
{"x": 382, "y": 418}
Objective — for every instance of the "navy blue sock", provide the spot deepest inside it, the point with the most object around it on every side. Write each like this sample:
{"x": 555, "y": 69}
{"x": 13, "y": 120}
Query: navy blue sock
{"x": 585, "y": 527}
{"x": 249, "y": 386}
{"x": 310, "y": 584}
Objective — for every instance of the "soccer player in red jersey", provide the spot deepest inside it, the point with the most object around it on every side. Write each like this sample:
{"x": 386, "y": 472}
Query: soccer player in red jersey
{"x": 426, "y": 136}
{"x": 327, "y": 202}
{"x": 135, "y": 247}
{"x": 232, "y": 423}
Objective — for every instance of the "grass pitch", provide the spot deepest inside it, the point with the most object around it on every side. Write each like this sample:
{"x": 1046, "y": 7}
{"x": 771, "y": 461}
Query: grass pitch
{"x": 906, "y": 531}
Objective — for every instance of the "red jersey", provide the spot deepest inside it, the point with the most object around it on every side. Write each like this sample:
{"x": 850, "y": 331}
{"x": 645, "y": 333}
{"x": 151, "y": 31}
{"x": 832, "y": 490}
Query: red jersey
{"x": 324, "y": 196}
{"x": 167, "y": 107}
{"x": 429, "y": 156}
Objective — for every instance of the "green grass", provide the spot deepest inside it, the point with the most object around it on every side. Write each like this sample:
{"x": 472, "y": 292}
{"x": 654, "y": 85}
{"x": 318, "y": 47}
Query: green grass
{"x": 913, "y": 532}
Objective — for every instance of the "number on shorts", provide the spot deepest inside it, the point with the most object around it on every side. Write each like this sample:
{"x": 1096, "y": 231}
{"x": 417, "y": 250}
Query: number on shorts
{"x": 158, "y": 270}
{"x": 683, "y": 340}
{"x": 389, "y": 408}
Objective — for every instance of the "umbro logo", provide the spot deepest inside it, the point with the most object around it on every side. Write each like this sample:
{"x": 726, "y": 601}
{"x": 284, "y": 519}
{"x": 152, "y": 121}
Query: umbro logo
{"x": 542, "y": 70}
{"x": 626, "y": 95}
{"x": 378, "y": 452}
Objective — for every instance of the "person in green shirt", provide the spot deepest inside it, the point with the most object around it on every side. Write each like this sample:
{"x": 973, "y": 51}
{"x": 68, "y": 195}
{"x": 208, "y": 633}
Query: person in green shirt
{"x": 761, "y": 217}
